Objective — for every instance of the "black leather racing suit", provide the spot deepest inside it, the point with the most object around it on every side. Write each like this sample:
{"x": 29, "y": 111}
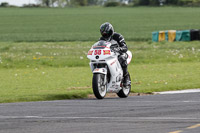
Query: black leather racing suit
{"x": 122, "y": 48}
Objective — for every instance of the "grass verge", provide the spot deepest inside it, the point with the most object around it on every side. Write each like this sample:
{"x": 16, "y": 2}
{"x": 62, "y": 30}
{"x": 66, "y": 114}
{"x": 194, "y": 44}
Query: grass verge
{"x": 40, "y": 84}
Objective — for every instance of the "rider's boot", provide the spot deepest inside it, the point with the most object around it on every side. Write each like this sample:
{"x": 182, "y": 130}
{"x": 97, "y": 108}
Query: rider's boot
{"x": 126, "y": 81}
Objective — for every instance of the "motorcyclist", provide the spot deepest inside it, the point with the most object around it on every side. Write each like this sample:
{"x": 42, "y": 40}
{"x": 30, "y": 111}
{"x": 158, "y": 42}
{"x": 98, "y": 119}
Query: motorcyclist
{"x": 108, "y": 34}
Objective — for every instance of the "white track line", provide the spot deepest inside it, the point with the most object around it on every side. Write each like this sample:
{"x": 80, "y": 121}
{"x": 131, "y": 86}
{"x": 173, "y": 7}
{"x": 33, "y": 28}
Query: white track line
{"x": 179, "y": 92}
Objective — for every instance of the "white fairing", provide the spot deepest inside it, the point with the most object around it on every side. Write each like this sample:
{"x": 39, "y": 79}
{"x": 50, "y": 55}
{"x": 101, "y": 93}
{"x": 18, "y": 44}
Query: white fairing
{"x": 104, "y": 55}
{"x": 129, "y": 57}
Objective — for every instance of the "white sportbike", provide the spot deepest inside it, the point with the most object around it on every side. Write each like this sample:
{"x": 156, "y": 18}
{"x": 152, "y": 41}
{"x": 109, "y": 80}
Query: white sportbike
{"x": 107, "y": 71}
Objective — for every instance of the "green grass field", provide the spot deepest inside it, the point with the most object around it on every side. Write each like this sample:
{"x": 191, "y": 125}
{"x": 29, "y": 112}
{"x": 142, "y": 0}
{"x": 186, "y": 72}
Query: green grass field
{"x": 43, "y": 50}
{"x": 82, "y": 24}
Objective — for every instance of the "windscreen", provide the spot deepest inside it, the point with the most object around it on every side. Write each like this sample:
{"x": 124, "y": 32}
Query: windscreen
{"x": 100, "y": 45}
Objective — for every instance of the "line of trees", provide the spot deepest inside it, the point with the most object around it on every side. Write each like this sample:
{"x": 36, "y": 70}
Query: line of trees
{"x": 49, "y": 3}
{"x": 64, "y": 3}
{"x": 168, "y": 2}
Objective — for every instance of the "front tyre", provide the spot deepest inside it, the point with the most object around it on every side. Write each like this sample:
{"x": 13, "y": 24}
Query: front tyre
{"x": 99, "y": 89}
{"x": 124, "y": 92}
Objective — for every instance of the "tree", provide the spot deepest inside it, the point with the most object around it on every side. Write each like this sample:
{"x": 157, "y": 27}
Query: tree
{"x": 144, "y": 2}
{"x": 154, "y": 2}
{"x": 148, "y": 2}
{"x": 93, "y": 2}
{"x": 4, "y": 4}
{"x": 47, "y": 3}
{"x": 80, "y": 2}
{"x": 171, "y": 2}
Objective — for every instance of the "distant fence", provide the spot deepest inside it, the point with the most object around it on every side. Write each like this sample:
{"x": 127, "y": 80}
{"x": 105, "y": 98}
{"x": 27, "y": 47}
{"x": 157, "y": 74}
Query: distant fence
{"x": 176, "y": 35}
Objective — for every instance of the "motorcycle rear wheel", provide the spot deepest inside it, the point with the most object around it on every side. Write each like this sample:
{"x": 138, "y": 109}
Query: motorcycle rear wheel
{"x": 99, "y": 89}
{"x": 124, "y": 92}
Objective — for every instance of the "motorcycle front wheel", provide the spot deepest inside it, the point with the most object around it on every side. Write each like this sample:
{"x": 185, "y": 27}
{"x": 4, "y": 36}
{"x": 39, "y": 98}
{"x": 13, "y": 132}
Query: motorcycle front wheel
{"x": 124, "y": 92}
{"x": 99, "y": 89}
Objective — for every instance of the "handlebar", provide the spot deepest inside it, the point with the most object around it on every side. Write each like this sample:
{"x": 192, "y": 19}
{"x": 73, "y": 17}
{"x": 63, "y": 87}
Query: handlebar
{"x": 113, "y": 49}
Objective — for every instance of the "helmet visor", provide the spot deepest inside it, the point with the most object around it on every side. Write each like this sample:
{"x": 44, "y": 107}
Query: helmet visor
{"x": 105, "y": 35}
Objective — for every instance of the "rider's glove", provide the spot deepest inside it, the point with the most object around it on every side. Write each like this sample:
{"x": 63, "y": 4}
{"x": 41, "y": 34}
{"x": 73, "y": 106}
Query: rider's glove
{"x": 118, "y": 49}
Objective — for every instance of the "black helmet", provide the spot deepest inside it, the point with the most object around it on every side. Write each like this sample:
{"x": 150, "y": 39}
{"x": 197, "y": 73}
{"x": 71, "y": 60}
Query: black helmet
{"x": 106, "y": 30}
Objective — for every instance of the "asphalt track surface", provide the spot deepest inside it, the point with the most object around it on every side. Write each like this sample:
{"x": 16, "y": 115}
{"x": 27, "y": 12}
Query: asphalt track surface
{"x": 174, "y": 113}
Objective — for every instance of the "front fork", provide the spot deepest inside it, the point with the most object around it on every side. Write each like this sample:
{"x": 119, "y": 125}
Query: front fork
{"x": 105, "y": 79}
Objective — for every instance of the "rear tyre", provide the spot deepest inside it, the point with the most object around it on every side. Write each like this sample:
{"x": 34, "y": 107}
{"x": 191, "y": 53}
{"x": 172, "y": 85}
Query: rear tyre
{"x": 124, "y": 92}
{"x": 99, "y": 89}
